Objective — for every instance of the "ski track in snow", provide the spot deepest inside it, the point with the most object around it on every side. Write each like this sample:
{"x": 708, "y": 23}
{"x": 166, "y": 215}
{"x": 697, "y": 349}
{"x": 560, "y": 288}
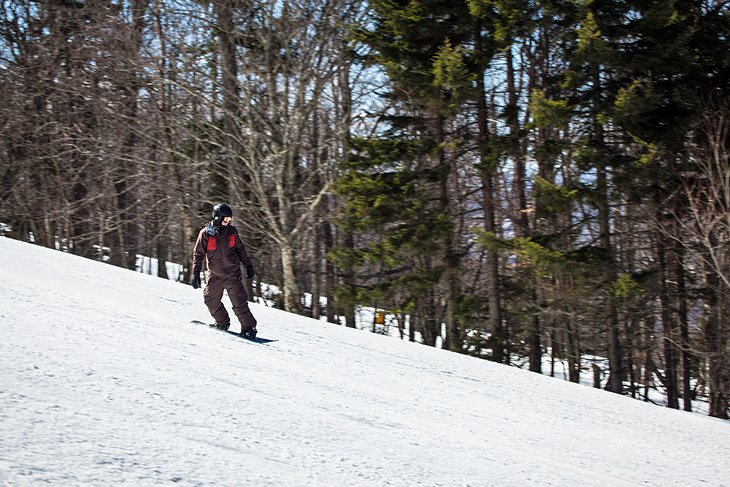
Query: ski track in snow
{"x": 104, "y": 381}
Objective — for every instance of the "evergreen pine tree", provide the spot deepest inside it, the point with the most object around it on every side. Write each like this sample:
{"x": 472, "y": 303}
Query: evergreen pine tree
{"x": 397, "y": 187}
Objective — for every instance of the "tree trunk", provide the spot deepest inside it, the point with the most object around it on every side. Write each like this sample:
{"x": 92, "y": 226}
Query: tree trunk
{"x": 453, "y": 339}
{"x": 161, "y": 253}
{"x": 686, "y": 357}
{"x": 597, "y": 373}
{"x": 573, "y": 351}
{"x": 487, "y": 169}
{"x": 225, "y": 164}
{"x": 330, "y": 273}
{"x": 616, "y": 369}
{"x": 670, "y": 358}
{"x": 125, "y": 245}
{"x": 534, "y": 338}
{"x": 290, "y": 286}
{"x": 316, "y": 284}
{"x": 716, "y": 341}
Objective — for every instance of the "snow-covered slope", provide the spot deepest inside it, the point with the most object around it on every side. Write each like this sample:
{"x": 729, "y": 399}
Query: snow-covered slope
{"x": 104, "y": 381}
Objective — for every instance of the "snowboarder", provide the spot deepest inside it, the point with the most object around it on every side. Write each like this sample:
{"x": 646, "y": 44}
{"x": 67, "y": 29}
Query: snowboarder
{"x": 220, "y": 245}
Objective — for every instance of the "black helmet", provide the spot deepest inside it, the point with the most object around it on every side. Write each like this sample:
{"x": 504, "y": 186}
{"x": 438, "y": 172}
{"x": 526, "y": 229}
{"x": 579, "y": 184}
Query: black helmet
{"x": 220, "y": 211}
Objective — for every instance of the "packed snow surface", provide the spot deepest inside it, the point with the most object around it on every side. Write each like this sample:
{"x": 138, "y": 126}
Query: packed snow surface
{"x": 104, "y": 381}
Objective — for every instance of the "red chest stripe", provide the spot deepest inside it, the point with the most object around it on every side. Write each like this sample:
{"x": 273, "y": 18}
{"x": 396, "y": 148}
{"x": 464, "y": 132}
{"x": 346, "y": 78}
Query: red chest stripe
{"x": 232, "y": 241}
{"x": 212, "y": 244}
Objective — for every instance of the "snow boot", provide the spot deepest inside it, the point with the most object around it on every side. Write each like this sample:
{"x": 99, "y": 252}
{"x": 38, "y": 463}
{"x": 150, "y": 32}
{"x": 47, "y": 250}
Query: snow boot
{"x": 222, "y": 326}
{"x": 249, "y": 334}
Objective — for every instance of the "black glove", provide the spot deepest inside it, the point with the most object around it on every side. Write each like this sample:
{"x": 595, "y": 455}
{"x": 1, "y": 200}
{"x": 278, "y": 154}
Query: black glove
{"x": 250, "y": 272}
{"x": 195, "y": 281}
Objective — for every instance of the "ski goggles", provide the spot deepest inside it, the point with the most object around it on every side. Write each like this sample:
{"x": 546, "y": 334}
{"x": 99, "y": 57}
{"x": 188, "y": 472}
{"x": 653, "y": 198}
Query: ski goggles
{"x": 227, "y": 219}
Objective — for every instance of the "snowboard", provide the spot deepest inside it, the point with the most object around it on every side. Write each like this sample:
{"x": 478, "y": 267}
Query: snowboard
{"x": 252, "y": 340}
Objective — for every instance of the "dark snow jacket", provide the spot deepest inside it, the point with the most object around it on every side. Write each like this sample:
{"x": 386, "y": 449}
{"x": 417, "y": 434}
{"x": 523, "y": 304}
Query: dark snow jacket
{"x": 222, "y": 250}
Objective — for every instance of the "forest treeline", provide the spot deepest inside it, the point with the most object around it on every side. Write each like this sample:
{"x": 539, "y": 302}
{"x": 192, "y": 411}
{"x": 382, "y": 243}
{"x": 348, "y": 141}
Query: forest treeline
{"x": 504, "y": 178}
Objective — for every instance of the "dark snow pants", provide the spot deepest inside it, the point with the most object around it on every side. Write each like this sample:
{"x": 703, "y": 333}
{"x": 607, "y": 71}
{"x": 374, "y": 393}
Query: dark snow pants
{"x": 213, "y": 293}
